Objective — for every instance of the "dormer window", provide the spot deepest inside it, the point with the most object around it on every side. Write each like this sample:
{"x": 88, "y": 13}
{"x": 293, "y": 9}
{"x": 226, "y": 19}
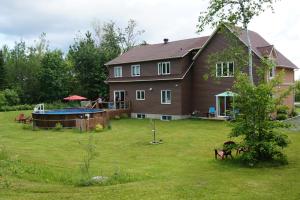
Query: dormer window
{"x": 225, "y": 69}
{"x": 117, "y": 71}
{"x": 164, "y": 68}
{"x": 135, "y": 70}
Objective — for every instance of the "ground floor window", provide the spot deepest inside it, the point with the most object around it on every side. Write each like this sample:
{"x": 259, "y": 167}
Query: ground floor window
{"x": 140, "y": 95}
{"x": 166, "y": 97}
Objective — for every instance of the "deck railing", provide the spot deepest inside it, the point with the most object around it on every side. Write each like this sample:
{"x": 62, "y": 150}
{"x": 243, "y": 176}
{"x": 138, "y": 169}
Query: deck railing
{"x": 115, "y": 105}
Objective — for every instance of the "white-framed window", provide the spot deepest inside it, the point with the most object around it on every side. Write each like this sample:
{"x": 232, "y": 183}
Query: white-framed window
{"x": 165, "y": 96}
{"x": 225, "y": 69}
{"x": 272, "y": 73}
{"x": 135, "y": 70}
{"x": 164, "y": 68}
{"x": 117, "y": 71}
{"x": 140, "y": 116}
{"x": 166, "y": 118}
{"x": 140, "y": 95}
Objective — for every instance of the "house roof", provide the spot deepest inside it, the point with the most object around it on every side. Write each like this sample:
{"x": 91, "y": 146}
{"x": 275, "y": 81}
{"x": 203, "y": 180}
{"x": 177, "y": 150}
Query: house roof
{"x": 175, "y": 49}
{"x": 180, "y": 48}
{"x": 260, "y": 47}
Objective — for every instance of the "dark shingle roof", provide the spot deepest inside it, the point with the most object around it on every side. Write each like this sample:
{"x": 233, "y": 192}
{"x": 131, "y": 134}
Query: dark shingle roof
{"x": 175, "y": 49}
{"x": 260, "y": 46}
{"x": 180, "y": 48}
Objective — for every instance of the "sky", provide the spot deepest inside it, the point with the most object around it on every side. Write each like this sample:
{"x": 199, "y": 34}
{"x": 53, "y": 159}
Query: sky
{"x": 61, "y": 20}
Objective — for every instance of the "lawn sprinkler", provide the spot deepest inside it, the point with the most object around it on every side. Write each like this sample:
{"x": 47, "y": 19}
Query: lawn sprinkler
{"x": 154, "y": 141}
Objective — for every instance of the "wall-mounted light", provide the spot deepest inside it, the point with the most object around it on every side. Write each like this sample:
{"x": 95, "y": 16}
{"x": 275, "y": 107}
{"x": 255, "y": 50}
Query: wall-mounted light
{"x": 150, "y": 89}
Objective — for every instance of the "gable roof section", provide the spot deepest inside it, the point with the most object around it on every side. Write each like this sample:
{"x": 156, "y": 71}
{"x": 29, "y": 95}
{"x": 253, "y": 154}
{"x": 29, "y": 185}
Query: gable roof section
{"x": 175, "y": 49}
{"x": 259, "y": 46}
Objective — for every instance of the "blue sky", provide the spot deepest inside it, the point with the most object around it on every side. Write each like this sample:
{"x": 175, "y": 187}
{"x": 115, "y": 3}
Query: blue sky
{"x": 174, "y": 19}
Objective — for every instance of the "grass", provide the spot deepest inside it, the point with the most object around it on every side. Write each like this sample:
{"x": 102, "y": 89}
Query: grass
{"x": 45, "y": 164}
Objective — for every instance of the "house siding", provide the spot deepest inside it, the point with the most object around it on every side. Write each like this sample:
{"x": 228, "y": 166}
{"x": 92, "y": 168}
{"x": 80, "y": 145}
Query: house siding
{"x": 205, "y": 91}
{"x": 152, "y": 103}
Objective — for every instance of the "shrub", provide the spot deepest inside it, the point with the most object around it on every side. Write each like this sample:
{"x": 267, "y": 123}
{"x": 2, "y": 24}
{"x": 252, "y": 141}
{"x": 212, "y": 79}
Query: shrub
{"x": 282, "y": 109}
{"x": 58, "y": 126}
{"x": 281, "y": 116}
{"x": 27, "y": 127}
{"x": 99, "y": 128}
{"x": 294, "y": 113}
{"x": 124, "y": 115}
{"x": 3, "y": 101}
{"x": 12, "y": 97}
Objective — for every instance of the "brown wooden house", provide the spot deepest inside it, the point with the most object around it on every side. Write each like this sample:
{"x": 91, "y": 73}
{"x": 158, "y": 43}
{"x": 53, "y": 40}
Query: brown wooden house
{"x": 166, "y": 80}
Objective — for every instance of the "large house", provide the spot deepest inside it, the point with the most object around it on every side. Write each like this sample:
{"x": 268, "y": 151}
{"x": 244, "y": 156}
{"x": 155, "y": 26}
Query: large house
{"x": 166, "y": 80}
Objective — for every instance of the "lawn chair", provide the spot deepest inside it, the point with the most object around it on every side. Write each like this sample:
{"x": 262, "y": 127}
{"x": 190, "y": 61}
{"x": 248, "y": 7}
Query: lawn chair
{"x": 20, "y": 118}
{"x": 28, "y": 120}
{"x": 212, "y": 112}
{"x": 226, "y": 151}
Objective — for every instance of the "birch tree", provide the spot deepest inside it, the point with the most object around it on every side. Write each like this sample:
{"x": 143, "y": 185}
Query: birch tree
{"x": 235, "y": 12}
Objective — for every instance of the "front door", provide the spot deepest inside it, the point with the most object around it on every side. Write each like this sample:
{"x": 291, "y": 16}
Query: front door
{"x": 119, "y": 99}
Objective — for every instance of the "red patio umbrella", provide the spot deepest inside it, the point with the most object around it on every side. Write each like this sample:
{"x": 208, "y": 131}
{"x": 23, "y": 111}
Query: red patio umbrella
{"x": 75, "y": 98}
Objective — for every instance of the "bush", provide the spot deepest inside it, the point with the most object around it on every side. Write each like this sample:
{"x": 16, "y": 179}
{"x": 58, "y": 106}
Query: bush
{"x": 281, "y": 116}
{"x": 99, "y": 128}
{"x": 12, "y": 97}
{"x": 294, "y": 113}
{"x": 124, "y": 115}
{"x": 3, "y": 101}
{"x": 58, "y": 126}
{"x": 283, "y": 109}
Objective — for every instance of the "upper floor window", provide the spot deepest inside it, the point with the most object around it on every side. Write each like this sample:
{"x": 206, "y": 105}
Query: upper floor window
{"x": 164, "y": 68}
{"x": 117, "y": 72}
{"x": 225, "y": 69}
{"x": 135, "y": 70}
{"x": 140, "y": 95}
{"x": 166, "y": 97}
{"x": 272, "y": 72}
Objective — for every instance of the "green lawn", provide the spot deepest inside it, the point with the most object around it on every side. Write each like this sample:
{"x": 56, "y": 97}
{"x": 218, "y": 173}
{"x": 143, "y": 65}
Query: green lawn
{"x": 183, "y": 167}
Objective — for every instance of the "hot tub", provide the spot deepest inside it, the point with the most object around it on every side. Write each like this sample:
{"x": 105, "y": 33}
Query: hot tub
{"x": 66, "y": 117}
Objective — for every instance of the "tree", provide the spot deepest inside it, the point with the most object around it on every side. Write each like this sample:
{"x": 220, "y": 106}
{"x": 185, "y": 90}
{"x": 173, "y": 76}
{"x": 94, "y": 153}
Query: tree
{"x": 53, "y": 77}
{"x": 2, "y": 71}
{"x": 129, "y": 36}
{"x": 110, "y": 41}
{"x": 235, "y": 12}
{"x": 88, "y": 62}
{"x": 256, "y": 104}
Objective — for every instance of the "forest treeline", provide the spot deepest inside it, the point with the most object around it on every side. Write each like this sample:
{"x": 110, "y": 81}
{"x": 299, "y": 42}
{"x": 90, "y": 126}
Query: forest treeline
{"x": 36, "y": 73}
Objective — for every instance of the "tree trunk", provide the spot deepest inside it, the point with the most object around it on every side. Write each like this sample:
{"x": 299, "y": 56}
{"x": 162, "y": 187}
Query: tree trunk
{"x": 250, "y": 59}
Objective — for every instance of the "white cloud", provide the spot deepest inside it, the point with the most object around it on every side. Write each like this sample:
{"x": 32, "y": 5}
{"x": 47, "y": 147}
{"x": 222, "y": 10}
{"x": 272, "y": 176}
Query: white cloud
{"x": 174, "y": 19}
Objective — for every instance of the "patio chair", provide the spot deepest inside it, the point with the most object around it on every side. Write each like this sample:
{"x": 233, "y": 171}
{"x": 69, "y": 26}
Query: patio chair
{"x": 28, "y": 120}
{"x": 20, "y": 118}
{"x": 211, "y": 111}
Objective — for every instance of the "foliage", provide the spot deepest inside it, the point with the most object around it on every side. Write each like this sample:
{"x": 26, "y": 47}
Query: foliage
{"x": 2, "y": 71}
{"x": 53, "y": 77}
{"x": 12, "y": 97}
{"x": 282, "y": 112}
{"x": 234, "y": 12}
{"x": 89, "y": 155}
{"x": 99, "y": 128}
{"x": 58, "y": 127}
{"x": 297, "y": 90}
{"x": 281, "y": 116}
{"x": 89, "y": 67}
{"x": 129, "y": 36}
{"x": 260, "y": 134}
{"x": 3, "y": 101}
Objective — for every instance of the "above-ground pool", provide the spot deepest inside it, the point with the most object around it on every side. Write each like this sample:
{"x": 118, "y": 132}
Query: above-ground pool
{"x": 66, "y": 117}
